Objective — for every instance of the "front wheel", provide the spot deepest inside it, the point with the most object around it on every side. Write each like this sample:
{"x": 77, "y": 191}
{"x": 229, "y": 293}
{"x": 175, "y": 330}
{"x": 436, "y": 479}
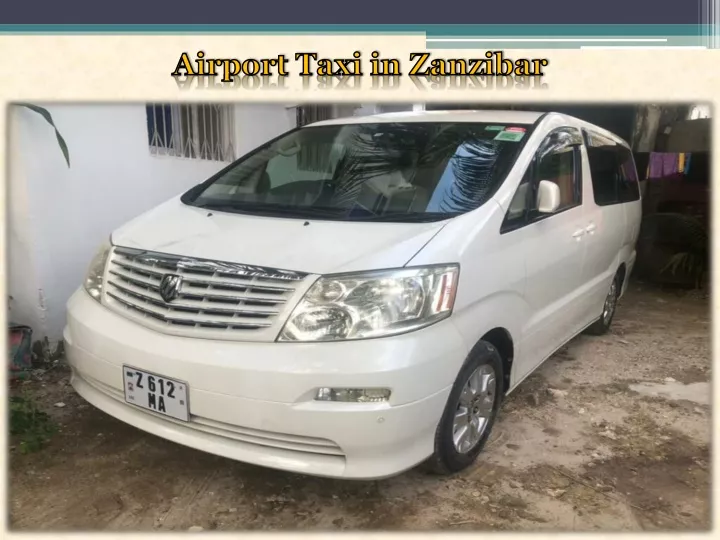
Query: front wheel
{"x": 470, "y": 412}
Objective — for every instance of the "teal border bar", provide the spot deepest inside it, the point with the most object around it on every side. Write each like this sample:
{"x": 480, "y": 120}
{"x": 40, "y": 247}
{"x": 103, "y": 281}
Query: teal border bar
{"x": 430, "y": 30}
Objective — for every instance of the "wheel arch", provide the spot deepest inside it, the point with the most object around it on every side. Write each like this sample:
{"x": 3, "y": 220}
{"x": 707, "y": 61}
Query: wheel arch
{"x": 622, "y": 274}
{"x": 502, "y": 340}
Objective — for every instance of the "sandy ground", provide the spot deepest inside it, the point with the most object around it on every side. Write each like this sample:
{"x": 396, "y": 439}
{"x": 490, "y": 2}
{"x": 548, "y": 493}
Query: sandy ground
{"x": 607, "y": 435}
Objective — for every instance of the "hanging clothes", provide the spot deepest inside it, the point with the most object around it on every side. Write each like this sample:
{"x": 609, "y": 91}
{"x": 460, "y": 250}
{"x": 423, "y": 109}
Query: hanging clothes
{"x": 664, "y": 164}
{"x": 655, "y": 165}
{"x": 670, "y": 162}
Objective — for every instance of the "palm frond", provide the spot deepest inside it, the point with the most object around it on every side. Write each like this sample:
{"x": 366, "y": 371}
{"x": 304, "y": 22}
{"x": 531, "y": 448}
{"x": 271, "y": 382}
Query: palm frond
{"x": 684, "y": 261}
{"x": 682, "y": 236}
{"x": 49, "y": 119}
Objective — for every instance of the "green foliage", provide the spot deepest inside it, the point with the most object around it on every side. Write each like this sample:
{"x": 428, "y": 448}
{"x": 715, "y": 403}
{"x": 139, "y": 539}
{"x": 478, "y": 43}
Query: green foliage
{"x": 687, "y": 237}
{"x": 692, "y": 264}
{"x": 32, "y": 426}
{"x": 49, "y": 119}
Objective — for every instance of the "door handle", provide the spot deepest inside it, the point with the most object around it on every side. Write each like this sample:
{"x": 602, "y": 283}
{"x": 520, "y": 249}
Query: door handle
{"x": 578, "y": 234}
{"x": 590, "y": 229}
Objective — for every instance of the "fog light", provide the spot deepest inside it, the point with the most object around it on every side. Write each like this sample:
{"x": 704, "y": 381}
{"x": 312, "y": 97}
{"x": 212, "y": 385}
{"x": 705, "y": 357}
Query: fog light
{"x": 357, "y": 395}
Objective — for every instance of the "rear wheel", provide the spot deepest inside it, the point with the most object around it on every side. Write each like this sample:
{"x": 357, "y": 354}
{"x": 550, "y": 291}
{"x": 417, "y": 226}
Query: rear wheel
{"x": 602, "y": 325}
{"x": 470, "y": 411}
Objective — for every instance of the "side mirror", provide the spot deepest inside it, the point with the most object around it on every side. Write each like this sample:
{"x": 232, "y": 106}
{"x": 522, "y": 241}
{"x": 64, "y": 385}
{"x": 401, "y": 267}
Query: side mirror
{"x": 548, "y": 197}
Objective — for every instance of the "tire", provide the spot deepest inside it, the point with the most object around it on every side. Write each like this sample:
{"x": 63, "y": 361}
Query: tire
{"x": 485, "y": 366}
{"x": 602, "y": 325}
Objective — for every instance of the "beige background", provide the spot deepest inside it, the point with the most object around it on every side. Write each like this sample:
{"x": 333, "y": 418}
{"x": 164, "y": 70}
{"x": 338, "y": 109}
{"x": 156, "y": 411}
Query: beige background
{"x": 109, "y": 68}
{"x": 137, "y": 68}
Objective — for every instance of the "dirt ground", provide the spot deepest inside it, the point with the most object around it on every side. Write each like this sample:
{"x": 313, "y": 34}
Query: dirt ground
{"x": 612, "y": 433}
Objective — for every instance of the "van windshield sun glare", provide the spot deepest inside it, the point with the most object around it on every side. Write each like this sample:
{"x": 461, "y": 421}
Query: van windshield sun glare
{"x": 392, "y": 172}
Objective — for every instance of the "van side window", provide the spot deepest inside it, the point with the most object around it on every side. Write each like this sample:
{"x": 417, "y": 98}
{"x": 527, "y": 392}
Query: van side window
{"x": 520, "y": 203}
{"x": 559, "y": 167}
{"x": 614, "y": 175}
{"x": 628, "y": 187}
{"x": 557, "y": 160}
{"x": 603, "y": 169}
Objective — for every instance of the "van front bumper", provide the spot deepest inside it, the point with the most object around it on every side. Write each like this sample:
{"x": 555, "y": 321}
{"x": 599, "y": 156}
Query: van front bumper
{"x": 254, "y": 402}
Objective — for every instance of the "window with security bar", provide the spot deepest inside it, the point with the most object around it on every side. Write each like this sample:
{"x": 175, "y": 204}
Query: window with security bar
{"x": 313, "y": 158}
{"x": 203, "y": 131}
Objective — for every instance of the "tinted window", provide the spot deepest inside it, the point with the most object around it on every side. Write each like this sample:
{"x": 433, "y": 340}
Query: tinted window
{"x": 385, "y": 171}
{"x": 604, "y": 172}
{"x": 614, "y": 176}
{"x": 628, "y": 187}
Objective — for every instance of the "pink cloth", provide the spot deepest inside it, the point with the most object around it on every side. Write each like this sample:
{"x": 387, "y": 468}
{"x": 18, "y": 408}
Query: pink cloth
{"x": 663, "y": 164}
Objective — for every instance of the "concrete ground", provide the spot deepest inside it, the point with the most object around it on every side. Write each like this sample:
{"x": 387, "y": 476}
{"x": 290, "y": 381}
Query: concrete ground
{"x": 612, "y": 433}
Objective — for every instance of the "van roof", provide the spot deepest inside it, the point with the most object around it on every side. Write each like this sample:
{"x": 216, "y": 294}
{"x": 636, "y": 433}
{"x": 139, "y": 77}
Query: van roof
{"x": 481, "y": 116}
{"x": 506, "y": 117}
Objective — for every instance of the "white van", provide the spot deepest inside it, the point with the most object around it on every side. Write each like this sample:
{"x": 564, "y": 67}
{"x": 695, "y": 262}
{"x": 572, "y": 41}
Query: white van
{"x": 357, "y": 296}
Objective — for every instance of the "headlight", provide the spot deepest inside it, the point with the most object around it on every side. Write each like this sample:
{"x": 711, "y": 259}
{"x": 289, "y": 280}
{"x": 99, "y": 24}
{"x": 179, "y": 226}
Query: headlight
{"x": 94, "y": 277}
{"x": 373, "y": 304}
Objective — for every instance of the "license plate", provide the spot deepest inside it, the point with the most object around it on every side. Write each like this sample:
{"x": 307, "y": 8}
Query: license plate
{"x": 156, "y": 393}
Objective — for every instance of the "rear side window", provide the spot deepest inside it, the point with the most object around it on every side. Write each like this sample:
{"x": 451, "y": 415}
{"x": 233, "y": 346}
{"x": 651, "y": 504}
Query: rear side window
{"x": 628, "y": 187}
{"x": 614, "y": 175}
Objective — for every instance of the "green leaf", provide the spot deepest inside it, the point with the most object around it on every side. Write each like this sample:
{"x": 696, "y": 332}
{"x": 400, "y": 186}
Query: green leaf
{"x": 29, "y": 424}
{"x": 49, "y": 119}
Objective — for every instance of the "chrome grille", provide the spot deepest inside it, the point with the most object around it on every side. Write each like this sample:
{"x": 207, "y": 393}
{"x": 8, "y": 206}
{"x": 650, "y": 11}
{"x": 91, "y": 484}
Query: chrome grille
{"x": 217, "y": 300}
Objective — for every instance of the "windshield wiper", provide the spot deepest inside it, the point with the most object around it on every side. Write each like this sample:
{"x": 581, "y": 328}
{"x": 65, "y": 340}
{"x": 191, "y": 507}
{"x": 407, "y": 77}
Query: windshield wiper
{"x": 308, "y": 212}
{"x": 333, "y": 214}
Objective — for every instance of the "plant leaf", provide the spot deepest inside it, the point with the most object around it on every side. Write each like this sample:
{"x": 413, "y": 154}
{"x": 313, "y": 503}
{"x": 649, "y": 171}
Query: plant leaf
{"x": 49, "y": 119}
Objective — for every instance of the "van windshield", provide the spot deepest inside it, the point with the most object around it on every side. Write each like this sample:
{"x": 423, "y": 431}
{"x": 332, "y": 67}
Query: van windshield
{"x": 404, "y": 172}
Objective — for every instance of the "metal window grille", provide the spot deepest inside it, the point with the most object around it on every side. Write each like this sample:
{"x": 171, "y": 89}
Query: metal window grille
{"x": 313, "y": 158}
{"x": 204, "y": 131}
{"x": 307, "y": 114}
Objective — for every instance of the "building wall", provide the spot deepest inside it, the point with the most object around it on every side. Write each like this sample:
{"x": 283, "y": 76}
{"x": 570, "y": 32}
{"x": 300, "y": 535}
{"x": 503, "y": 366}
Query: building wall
{"x": 689, "y": 136}
{"x": 22, "y": 277}
{"x": 255, "y": 124}
{"x": 59, "y": 215}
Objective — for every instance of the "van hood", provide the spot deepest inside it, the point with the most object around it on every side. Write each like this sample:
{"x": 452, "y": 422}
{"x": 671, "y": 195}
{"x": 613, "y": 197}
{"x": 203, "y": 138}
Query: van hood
{"x": 320, "y": 247}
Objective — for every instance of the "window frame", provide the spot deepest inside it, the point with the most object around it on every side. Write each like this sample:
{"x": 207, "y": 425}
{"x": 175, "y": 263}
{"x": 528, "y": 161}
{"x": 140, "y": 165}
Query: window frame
{"x": 618, "y": 148}
{"x": 574, "y": 140}
{"x": 622, "y": 177}
{"x": 190, "y": 197}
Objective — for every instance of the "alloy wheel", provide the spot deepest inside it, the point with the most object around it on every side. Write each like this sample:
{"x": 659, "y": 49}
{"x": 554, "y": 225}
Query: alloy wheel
{"x": 610, "y": 303}
{"x": 475, "y": 408}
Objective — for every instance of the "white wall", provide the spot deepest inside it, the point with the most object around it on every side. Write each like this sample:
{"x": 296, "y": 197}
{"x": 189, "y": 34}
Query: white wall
{"x": 22, "y": 275}
{"x": 58, "y": 216}
{"x": 256, "y": 124}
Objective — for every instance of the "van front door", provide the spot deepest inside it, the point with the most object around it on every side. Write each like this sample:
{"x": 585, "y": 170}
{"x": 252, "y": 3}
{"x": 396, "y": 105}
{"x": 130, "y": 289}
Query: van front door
{"x": 554, "y": 249}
